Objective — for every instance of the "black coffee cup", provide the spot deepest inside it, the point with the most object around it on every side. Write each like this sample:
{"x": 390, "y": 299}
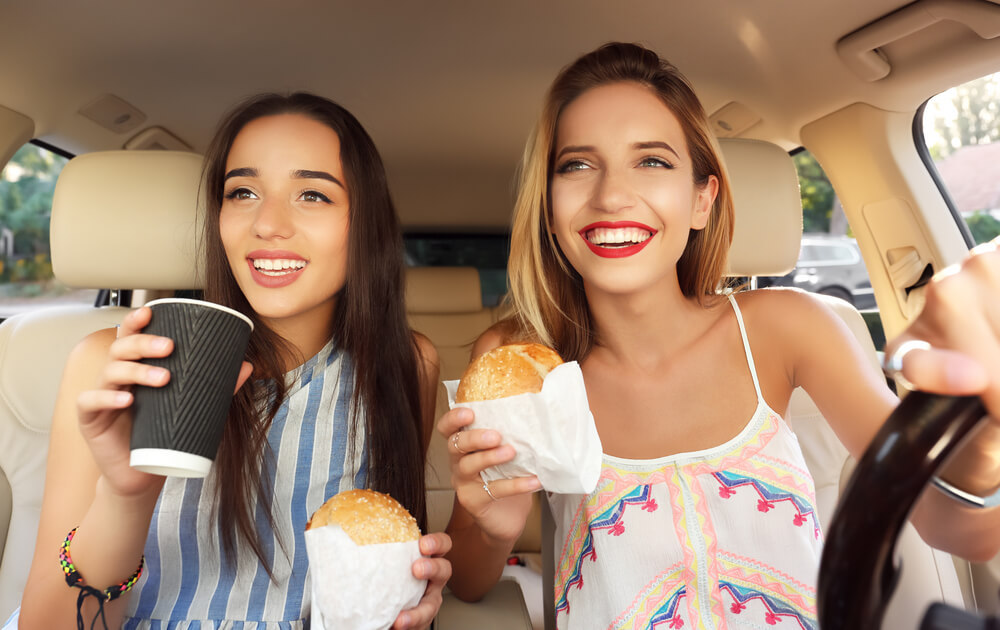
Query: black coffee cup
{"x": 176, "y": 429}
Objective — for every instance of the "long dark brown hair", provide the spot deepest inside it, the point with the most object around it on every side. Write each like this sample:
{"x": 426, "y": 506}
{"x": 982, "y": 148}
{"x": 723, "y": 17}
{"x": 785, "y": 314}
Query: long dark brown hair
{"x": 369, "y": 324}
{"x": 548, "y": 296}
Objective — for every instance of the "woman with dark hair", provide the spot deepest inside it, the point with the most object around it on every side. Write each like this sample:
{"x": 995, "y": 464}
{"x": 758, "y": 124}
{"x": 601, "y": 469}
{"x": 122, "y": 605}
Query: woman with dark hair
{"x": 301, "y": 236}
{"x": 703, "y": 514}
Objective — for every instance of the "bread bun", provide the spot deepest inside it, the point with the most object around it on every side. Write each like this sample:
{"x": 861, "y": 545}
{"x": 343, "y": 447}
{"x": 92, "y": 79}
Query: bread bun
{"x": 368, "y": 517}
{"x": 507, "y": 371}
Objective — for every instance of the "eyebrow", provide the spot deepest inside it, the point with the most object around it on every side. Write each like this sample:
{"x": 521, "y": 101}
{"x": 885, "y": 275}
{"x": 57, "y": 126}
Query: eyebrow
{"x": 656, "y": 144}
{"x": 305, "y": 174}
{"x": 297, "y": 174}
{"x": 653, "y": 144}
{"x": 241, "y": 172}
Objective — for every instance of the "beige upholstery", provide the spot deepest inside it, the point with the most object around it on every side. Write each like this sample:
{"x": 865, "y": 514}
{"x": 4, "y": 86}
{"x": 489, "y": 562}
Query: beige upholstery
{"x": 763, "y": 178}
{"x": 101, "y": 196}
{"x": 150, "y": 197}
{"x": 766, "y": 242}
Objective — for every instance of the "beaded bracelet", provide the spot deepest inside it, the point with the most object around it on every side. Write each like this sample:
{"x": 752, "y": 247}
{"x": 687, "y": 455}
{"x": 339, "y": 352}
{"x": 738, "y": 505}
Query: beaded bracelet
{"x": 75, "y": 580}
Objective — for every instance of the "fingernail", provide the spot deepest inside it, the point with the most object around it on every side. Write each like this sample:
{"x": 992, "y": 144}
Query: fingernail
{"x": 492, "y": 437}
{"x": 464, "y": 413}
{"x": 161, "y": 344}
{"x": 429, "y": 545}
{"x": 157, "y": 374}
{"x": 123, "y": 398}
{"x": 404, "y": 620}
{"x": 534, "y": 484}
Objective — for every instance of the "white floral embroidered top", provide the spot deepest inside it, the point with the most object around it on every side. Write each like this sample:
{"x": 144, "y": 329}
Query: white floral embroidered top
{"x": 720, "y": 538}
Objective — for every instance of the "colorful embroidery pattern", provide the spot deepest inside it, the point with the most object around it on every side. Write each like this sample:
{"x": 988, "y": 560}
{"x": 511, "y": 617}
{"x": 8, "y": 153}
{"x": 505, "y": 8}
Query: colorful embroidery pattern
{"x": 609, "y": 518}
{"x": 769, "y": 495}
{"x": 658, "y": 605}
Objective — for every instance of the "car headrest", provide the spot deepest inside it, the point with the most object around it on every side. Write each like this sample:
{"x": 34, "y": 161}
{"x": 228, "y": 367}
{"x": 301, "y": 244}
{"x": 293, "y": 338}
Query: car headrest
{"x": 128, "y": 220}
{"x": 765, "y": 185}
{"x": 443, "y": 290}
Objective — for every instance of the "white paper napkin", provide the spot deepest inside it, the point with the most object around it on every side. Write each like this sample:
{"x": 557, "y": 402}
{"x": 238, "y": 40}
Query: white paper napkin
{"x": 359, "y": 587}
{"x": 553, "y": 432}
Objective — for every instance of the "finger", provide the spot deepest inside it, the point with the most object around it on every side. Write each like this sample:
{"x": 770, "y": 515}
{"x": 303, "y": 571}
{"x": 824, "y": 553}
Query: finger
{"x": 472, "y": 464}
{"x": 93, "y": 401}
{"x": 500, "y": 489}
{"x": 941, "y": 371}
{"x": 245, "y": 370}
{"x": 472, "y": 440}
{"x": 423, "y": 613}
{"x": 437, "y": 570}
{"x": 126, "y": 373}
{"x": 135, "y": 321}
{"x": 134, "y": 347}
{"x": 455, "y": 420}
{"x": 436, "y": 544}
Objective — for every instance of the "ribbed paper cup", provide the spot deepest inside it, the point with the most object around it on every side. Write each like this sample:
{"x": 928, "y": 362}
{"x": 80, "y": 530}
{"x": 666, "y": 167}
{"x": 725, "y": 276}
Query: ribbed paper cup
{"x": 176, "y": 428}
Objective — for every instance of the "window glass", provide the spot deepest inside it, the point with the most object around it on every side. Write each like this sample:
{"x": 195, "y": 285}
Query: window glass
{"x": 961, "y": 130}
{"x": 485, "y": 252}
{"x": 26, "y": 187}
{"x": 829, "y": 261}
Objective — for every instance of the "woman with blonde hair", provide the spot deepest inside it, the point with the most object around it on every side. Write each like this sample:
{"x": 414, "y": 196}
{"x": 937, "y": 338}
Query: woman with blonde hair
{"x": 703, "y": 514}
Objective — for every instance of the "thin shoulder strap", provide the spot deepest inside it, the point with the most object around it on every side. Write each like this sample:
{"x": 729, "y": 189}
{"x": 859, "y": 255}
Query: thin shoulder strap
{"x": 746, "y": 346}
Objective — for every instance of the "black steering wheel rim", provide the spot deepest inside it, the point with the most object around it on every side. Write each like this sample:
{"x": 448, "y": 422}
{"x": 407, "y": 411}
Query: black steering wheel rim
{"x": 857, "y": 571}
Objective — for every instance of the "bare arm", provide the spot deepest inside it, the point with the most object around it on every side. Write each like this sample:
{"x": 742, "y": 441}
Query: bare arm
{"x": 483, "y": 531}
{"x": 112, "y": 524}
{"x": 826, "y": 360}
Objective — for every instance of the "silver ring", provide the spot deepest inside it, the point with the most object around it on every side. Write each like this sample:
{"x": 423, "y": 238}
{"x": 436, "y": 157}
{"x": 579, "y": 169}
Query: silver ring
{"x": 486, "y": 487}
{"x": 454, "y": 443}
{"x": 892, "y": 364}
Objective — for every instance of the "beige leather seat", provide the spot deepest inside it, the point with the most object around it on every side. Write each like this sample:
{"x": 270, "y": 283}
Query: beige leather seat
{"x": 119, "y": 220}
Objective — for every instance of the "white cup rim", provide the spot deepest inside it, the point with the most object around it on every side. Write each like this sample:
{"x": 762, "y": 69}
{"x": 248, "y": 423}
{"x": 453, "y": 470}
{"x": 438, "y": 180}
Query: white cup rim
{"x": 177, "y": 300}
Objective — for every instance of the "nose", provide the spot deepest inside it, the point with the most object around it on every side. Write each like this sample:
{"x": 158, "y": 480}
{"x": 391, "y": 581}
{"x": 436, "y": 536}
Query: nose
{"x": 273, "y": 220}
{"x": 613, "y": 192}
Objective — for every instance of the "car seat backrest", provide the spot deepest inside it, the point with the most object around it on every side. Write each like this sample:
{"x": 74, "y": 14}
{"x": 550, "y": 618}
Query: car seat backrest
{"x": 120, "y": 219}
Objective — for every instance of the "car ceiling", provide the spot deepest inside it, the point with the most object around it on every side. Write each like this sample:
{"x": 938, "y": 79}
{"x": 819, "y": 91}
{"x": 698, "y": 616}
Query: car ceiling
{"x": 448, "y": 89}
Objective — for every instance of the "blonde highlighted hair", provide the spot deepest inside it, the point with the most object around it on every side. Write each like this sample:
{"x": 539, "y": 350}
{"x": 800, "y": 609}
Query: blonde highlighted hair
{"x": 547, "y": 294}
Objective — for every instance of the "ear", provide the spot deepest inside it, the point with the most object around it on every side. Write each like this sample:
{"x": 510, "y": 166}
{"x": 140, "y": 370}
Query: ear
{"x": 704, "y": 201}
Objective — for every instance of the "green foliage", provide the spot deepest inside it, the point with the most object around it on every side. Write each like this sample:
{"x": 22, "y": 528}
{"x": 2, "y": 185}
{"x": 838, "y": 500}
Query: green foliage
{"x": 25, "y": 208}
{"x": 966, "y": 115}
{"x": 817, "y": 193}
{"x": 984, "y": 226}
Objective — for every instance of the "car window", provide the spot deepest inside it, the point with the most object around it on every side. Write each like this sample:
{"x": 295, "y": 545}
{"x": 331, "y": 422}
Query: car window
{"x": 486, "y": 252}
{"x": 961, "y": 131}
{"x": 26, "y": 187}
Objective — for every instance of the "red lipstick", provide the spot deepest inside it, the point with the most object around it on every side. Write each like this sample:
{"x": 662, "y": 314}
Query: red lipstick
{"x": 616, "y": 252}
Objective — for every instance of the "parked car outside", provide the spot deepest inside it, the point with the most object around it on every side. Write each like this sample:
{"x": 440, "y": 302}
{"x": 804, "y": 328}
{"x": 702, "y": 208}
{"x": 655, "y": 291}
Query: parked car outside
{"x": 831, "y": 265}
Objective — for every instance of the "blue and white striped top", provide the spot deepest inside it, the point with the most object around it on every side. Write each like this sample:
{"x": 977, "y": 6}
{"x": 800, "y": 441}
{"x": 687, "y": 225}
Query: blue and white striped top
{"x": 190, "y": 582}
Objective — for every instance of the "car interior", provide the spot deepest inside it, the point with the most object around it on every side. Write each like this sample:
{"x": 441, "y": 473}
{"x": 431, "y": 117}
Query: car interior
{"x": 449, "y": 91}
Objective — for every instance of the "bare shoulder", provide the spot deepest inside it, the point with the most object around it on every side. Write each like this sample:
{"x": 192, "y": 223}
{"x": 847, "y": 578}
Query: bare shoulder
{"x": 503, "y": 332}
{"x": 90, "y": 353}
{"x": 784, "y": 308}
{"x": 427, "y": 353}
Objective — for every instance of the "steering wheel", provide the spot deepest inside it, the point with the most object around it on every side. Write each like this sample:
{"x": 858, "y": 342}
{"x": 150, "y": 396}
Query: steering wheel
{"x": 857, "y": 571}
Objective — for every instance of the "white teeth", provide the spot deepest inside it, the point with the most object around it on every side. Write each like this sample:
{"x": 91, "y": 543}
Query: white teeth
{"x": 617, "y": 236}
{"x": 278, "y": 266}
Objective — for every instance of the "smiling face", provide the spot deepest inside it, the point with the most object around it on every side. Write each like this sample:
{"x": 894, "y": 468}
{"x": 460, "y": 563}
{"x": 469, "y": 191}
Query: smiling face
{"x": 622, "y": 194}
{"x": 284, "y": 220}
